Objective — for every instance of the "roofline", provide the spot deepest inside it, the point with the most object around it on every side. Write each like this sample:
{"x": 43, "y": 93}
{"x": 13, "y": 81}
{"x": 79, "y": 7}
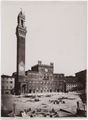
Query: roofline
{"x": 6, "y": 76}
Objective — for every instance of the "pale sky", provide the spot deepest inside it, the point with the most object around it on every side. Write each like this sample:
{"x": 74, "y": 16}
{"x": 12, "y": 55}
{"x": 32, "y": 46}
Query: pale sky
{"x": 56, "y": 32}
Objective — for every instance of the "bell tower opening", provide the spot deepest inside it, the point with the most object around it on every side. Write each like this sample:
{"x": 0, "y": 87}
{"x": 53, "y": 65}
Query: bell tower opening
{"x": 22, "y": 23}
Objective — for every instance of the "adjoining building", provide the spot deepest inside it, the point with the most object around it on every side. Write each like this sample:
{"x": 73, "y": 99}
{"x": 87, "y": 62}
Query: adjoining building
{"x": 72, "y": 83}
{"x": 82, "y": 76}
{"x": 7, "y": 84}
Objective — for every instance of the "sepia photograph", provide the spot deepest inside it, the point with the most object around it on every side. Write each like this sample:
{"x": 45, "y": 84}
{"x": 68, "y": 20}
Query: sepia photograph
{"x": 44, "y": 59}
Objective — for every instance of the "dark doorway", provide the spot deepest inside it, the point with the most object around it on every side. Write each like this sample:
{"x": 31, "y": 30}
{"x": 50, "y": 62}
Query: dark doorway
{"x": 29, "y": 90}
{"x": 50, "y": 90}
{"x": 57, "y": 90}
{"x": 24, "y": 88}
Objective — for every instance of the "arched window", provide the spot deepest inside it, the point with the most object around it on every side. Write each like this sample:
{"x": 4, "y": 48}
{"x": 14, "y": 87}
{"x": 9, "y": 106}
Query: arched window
{"x": 22, "y": 23}
{"x": 50, "y": 90}
{"x": 29, "y": 90}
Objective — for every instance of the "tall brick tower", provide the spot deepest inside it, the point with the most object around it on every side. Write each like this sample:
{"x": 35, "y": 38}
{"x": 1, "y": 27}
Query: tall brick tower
{"x": 21, "y": 34}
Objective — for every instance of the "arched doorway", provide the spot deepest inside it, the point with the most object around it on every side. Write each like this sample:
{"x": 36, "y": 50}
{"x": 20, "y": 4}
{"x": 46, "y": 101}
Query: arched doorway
{"x": 57, "y": 90}
{"x": 29, "y": 90}
{"x": 24, "y": 88}
{"x": 50, "y": 90}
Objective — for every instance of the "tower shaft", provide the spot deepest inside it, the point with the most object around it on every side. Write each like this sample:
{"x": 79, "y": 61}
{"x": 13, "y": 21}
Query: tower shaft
{"x": 21, "y": 35}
